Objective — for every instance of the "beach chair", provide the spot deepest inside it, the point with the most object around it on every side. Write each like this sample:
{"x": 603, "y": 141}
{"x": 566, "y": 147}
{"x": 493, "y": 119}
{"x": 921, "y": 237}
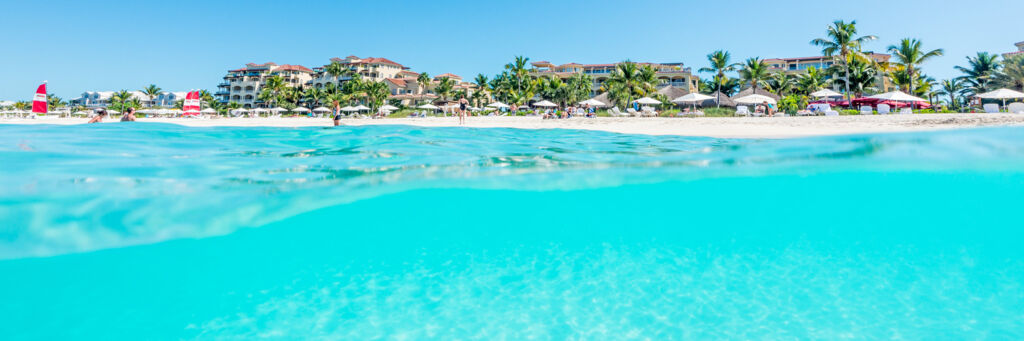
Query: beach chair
{"x": 866, "y": 110}
{"x": 831, "y": 113}
{"x": 991, "y": 108}
{"x": 742, "y": 111}
{"x": 1016, "y": 108}
{"x": 632, "y": 112}
{"x": 648, "y": 112}
{"x": 906, "y": 111}
{"x": 883, "y": 109}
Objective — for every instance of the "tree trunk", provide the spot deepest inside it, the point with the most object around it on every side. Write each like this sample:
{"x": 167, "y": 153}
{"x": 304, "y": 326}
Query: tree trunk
{"x": 846, "y": 82}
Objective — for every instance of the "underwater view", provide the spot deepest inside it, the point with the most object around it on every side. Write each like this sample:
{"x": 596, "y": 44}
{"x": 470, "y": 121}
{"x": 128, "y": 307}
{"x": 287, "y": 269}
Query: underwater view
{"x": 149, "y": 231}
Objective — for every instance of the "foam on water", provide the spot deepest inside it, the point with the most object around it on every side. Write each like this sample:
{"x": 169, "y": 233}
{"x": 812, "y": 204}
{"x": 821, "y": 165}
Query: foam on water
{"x": 448, "y": 233}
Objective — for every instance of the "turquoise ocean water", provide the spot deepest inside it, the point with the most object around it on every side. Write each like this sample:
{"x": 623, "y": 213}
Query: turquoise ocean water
{"x": 159, "y": 232}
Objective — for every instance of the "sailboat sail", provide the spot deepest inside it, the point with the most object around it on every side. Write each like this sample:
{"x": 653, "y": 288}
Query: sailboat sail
{"x": 39, "y": 101}
{"x": 191, "y": 105}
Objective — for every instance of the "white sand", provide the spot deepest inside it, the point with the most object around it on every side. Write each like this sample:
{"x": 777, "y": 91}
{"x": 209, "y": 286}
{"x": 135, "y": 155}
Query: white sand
{"x": 739, "y": 127}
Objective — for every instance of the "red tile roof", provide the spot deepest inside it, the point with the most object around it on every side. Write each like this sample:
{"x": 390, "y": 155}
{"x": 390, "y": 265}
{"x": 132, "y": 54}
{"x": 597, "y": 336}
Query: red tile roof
{"x": 396, "y": 81}
{"x": 449, "y": 75}
{"x": 287, "y": 67}
{"x": 367, "y": 60}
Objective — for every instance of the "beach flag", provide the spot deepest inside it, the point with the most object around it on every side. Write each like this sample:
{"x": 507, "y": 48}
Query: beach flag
{"x": 39, "y": 101}
{"x": 191, "y": 105}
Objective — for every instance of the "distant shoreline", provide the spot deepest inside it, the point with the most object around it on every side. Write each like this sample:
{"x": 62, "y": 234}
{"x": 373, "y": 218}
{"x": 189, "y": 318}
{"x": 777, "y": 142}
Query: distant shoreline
{"x": 721, "y": 127}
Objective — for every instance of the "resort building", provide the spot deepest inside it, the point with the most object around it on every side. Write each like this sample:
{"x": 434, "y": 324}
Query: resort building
{"x": 801, "y": 64}
{"x": 98, "y": 99}
{"x": 1019, "y": 52}
{"x": 244, "y": 85}
{"x": 370, "y": 68}
{"x": 409, "y": 91}
{"x": 673, "y": 74}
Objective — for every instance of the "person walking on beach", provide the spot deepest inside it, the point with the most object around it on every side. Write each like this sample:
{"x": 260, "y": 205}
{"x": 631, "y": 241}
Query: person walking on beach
{"x": 463, "y": 104}
{"x": 129, "y": 115}
{"x": 100, "y": 114}
{"x": 337, "y": 114}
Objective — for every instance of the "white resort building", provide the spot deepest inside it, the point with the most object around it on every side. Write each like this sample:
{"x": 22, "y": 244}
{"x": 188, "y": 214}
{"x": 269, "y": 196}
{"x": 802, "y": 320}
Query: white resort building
{"x": 98, "y": 99}
{"x": 1019, "y": 52}
{"x": 668, "y": 74}
{"x": 244, "y": 85}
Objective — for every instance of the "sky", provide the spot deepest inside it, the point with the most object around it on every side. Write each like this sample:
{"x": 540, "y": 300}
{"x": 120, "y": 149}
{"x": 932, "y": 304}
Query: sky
{"x": 106, "y": 45}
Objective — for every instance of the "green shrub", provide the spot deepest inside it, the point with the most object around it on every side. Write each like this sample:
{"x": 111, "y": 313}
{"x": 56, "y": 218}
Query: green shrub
{"x": 719, "y": 112}
{"x": 849, "y": 112}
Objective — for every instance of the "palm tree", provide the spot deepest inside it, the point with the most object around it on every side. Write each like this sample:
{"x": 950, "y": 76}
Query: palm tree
{"x": 580, "y": 86}
{"x": 719, "y": 61}
{"x": 314, "y": 96}
{"x": 444, "y": 88}
{"x": 812, "y": 80}
{"x": 1012, "y": 74}
{"x": 376, "y": 93}
{"x": 781, "y": 84}
{"x": 754, "y": 72}
{"x": 910, "y": 56}
{"x": 121, "y": 97}
{"x": 842, "y": 41}
{"x": 863, "y": 74}
{"x": 22, "y": 105}
{"x": 151, "y": 91}
{"x": 423, "y": 80}
{"x": 628, "y": 82}
{"x": 337, "y": 70}
{"x": 952, "y": 88}
{"x": 979, "y": 71}
{"x": 520, "y": 85}
{"x": 55, "y": 102}
{"x": 272, "y": 90}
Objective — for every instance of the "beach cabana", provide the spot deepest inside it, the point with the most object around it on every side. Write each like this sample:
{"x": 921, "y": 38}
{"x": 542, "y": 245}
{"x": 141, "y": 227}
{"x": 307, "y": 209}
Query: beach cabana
{"x": 672, "y": 92}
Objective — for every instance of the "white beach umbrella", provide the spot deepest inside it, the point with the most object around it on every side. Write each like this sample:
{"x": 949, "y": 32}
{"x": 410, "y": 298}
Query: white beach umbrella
{"x": 692, "y": 98}
{"x": 1002, "y": 94}
{"x": 428, "y": 106}
{"x": 349, "y": 108}
{"x": 754, "y": 99}
{"x": 498, "y": 105}
{"x": 300, "y": 109}
{"x": 826, "y": 93}
{"x": 148, "y": 111}
{"x": 278, "y": 109}
{"x": 209, "y": 111}
{"x": 388, "y": 107}
{"x": 321, "y": 109}
{"x": 648, "y": 100}
{"x": 593, "y": 102}
{"x": 545, "y": 103}
{"x": 898, "y": 96}
{"x": 362, "y": 107}
{"x": 108, "y": 112}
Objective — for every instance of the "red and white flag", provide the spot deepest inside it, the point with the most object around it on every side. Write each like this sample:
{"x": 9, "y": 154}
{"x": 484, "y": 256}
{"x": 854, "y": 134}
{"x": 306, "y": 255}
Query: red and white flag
{"x": 191, "y": 105}
{"x": 39, "y": 101}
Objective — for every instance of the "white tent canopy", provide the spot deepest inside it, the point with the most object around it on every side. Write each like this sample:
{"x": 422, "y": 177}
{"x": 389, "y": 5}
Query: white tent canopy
{"x": 754, "y": 99}
{"x": 826, "y": 93}
{"x": 648, "y": 100}
{"x": 898, "y": 96}
{"x": 692, "y": 98}
{"x": 545, "y": 103}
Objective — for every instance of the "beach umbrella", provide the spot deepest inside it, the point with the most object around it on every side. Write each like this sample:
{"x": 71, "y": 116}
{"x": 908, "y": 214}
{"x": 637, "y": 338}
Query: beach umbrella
{"x": 498, "y": 105}
{"x": 278, "y": 109}
{"x": 826, "y": 93}
{"x": 388, "y": 107}
{"x": 300, "y": 109}
{"x": 754, "y": 99}
{"x": 692, "y": 98}
{"x": 349, "y": 108}
{"x": 362, "y": 107}
{"x": 1002, "y": 94}
{"x": 428, "y": 106}
{"x": 593, "y": 102}
{"x": 321, "y": 109}
{"x": 545, "y": 104}
{"x": 209, "y": 111}
{"x": 648, "y": 100}
{"x": 898, "y": 96}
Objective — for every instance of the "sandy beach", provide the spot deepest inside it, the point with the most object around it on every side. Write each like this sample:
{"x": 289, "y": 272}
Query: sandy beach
{"x": 726, "y": 127}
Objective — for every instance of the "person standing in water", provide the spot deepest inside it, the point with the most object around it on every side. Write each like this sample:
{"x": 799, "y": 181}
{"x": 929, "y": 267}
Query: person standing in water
{"x": 100, "y": 114}
{"x": 129, "y": 115}
{"x": 337, "y": 114}
{"x": 463, "y": 104}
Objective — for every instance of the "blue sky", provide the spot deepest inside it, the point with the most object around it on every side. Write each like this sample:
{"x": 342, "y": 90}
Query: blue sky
{"x": 179, "y": 45}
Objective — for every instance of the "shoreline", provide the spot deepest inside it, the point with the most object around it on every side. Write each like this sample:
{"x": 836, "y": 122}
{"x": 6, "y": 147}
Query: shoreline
{"x": 718, "y": 127}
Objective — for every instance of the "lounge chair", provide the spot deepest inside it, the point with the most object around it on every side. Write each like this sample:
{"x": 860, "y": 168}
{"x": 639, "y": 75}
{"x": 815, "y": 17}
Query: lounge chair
{"x": 906, "y": 111}
{"x": 648, "y": 112}
{"x": 883, "y": 109}
{"x": 991, "y": 108}
{"x": 632, "y": 112}
{"x": 831, "y": 113}
{"x": 866, "y": 110}
{"x": 1016, "y": 108}
{"x": 615, "y": 112}
{"x": 742, "y": 111}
